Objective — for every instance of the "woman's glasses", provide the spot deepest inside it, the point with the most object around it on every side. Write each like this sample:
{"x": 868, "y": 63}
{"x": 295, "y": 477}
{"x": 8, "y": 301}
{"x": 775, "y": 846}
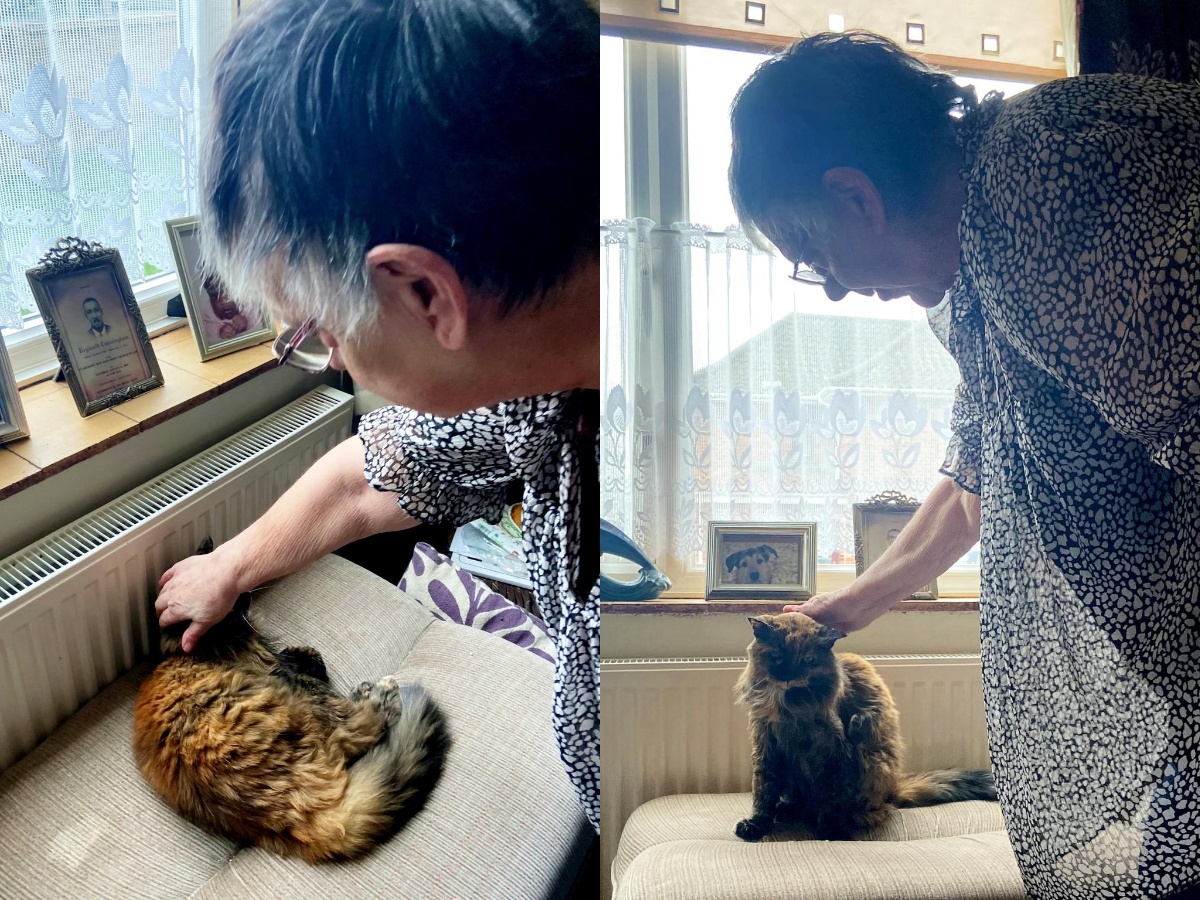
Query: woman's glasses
{"x": 301, "y": 347}
{"x": 806, "y": 275}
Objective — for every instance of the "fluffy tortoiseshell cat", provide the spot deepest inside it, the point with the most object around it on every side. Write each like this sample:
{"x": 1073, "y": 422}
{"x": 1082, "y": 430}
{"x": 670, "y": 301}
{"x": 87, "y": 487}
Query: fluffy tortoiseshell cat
{"x": 826, "y": 736}
{"x": 254, "y": 744}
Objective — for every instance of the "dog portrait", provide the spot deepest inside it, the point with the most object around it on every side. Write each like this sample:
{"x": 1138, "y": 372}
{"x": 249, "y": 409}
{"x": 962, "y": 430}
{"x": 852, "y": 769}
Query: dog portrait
{"x": 761, "y": 560}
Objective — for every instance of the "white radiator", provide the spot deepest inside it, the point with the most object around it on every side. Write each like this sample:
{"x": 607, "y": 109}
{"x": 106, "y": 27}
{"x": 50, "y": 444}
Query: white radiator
{"x": 76, "y": 608}
{"x": 669, "y": 726}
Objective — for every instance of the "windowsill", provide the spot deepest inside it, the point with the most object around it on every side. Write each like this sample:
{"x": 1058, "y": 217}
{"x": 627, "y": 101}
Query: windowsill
{"x": 60, "y": 437}
{"x": 697, "y": 607}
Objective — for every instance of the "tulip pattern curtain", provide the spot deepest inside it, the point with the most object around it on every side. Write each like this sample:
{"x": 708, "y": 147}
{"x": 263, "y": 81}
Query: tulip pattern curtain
{"x": 101, "y": 107}
{"x": 731, "y": 393}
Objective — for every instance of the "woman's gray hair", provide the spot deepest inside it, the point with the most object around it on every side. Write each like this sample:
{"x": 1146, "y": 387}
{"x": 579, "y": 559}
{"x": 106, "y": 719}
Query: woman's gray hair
{"x": 458, "y": 126}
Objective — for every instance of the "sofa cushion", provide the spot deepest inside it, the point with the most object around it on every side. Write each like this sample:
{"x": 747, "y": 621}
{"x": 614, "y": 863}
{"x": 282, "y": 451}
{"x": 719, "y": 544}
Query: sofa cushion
{"x": 967, "y": 867}
{"x": 708, "y": 820}
{"x": 77, "y": 820}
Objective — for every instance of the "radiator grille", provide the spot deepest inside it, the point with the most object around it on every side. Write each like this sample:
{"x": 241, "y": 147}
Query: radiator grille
{"x": 75, "y": 607}
{"x": 39, "y": 561}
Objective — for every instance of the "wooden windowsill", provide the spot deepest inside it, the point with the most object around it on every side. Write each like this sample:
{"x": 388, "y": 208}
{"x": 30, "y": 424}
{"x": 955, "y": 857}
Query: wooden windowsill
{"x": 696, "y": 607}
{"x": 60, "y": 437}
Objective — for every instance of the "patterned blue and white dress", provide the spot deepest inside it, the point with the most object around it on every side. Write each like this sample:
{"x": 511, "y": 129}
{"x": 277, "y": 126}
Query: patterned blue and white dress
{"x": 457, "y": 469}
{"x": 1076, "y": 325}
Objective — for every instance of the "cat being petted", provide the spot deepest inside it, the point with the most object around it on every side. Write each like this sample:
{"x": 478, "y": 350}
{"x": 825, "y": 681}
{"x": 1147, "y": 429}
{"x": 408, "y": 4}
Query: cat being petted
{"x": 255, "y": 744}
{"x": 827, "y": 752}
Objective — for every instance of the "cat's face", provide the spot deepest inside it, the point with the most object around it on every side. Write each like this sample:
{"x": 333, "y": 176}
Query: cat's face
{"x": 793, "y": 649}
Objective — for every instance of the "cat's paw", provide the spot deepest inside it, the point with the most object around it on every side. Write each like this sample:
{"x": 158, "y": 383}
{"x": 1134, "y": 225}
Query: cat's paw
{"x": 753, "y": 829}
{"x": 364, "y": 691}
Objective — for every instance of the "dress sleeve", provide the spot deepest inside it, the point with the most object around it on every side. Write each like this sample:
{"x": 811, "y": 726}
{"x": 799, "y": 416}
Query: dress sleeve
{"x": 1090, "y": 260}
{"x": 442, "y": 470}
{"x": 963, "y": 457}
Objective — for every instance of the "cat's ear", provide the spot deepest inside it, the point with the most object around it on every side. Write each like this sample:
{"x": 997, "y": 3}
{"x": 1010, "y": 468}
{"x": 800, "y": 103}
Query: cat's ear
{"x": 827, "y": 637}
{"x": 763, "y": 630}
{"x": 206, "y": 546}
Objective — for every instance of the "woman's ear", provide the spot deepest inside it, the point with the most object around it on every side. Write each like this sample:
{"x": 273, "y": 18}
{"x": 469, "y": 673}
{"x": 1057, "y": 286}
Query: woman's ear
{"x": 421, "y": 286}
{"x": 852, "y": 193}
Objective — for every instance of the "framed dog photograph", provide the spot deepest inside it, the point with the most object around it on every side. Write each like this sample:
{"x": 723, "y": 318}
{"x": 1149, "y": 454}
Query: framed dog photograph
{"x": 94, "y": 323}
{"x": 761, "y": 560}
{"x": 13, "y": 425}
{"x": 219, "y": 324}
{"x": 877, "y": 522}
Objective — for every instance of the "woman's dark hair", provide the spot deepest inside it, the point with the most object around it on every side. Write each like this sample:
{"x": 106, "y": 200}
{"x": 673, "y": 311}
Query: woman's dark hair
{"x": 830, "y": 100}
{"x": 469, "y": 128}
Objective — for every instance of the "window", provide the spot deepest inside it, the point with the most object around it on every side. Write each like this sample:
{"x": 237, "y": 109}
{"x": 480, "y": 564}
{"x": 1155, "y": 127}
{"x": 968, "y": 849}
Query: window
{"x": 101, "y": 110}
{"x": 730, "y": 391}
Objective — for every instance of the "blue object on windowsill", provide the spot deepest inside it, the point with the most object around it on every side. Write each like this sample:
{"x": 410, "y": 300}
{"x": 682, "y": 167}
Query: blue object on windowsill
{"x": 650, "y": 582}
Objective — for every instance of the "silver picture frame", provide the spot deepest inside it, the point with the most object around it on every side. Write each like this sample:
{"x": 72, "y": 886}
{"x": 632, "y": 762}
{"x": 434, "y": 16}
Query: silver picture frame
{"x": 876, "y": 523}
{"x": 761, "y": 561}
{"x": 94, "y": 324}
{"x": 13, "y": 424}
{"x": 209, "y": 309}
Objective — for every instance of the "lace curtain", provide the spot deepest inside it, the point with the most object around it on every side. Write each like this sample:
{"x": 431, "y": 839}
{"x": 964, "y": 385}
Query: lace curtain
{"x": 101, "y": 105}
{"x": 730, "y": 393}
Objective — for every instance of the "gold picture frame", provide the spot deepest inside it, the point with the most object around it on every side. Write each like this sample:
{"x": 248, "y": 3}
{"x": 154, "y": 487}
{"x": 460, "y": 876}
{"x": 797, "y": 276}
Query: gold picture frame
{"x": 876, "y": 523}
{"x": 93, "y": 322}
{"x": 219, "y": 326}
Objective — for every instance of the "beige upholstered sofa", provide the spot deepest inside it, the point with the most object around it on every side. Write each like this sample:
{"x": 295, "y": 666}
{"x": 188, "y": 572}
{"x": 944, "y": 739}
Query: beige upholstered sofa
{"x": 683, "y": 848}
{"x": 76, "y": 821}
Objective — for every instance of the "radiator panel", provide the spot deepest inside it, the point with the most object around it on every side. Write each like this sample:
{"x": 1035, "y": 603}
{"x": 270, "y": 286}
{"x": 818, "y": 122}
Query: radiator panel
{"x": 76, "y": 607}
{"x": 669, "y": 726}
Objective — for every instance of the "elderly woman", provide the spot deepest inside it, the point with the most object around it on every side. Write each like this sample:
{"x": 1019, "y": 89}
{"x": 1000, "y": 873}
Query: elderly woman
{"x": 413, "y": 186}
{"x": 1056, "y": 235}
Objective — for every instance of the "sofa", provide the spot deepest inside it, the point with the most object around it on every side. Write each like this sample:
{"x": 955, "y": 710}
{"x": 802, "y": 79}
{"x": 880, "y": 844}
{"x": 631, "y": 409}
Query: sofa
{"x": 683, "y": 848}
{"x": 77, "y": 821}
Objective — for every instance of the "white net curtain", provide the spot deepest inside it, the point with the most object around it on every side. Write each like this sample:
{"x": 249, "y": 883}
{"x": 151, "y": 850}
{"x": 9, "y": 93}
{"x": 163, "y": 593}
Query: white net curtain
{"x": 730, "y": 393}
{"x": 101, "y": 105}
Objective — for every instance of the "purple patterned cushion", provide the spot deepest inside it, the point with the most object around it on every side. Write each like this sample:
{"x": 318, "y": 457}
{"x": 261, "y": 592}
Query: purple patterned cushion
{"x": 455, "y": 595}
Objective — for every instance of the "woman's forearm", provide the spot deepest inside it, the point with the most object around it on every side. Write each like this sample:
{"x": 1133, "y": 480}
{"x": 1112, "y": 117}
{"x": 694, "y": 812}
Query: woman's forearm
{"x": 943, "y": 529}
{"x": 329, "y": 506}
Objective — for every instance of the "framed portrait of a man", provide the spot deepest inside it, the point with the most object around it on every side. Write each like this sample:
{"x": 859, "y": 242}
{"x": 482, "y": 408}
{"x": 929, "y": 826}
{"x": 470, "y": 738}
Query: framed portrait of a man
{"x": 877, "y": 523}
{"x": 219, "y": 324}
{"x": 93, "y": 321}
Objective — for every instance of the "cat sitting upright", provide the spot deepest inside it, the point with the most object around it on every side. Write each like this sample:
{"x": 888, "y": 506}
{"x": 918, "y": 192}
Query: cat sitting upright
{"x": 826, "y": 738}
{"x": 255, "y": 745}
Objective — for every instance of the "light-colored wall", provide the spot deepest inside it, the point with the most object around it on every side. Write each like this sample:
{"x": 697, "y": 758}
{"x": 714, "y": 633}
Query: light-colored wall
{"x": 1027, "y": 28}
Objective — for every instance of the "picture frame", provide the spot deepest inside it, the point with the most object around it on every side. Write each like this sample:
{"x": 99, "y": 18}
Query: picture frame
{"x": 13, "y": 424}
{"x": 761, "y": 561}
{"x": 93, "y": 321}
{"x": 219, "y": 326}
{"x": 876, "y": 523}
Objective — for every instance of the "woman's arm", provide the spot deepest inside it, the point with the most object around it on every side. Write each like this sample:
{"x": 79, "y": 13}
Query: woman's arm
{"x": 944, "y": 528}
{"x": 330, "y": 505}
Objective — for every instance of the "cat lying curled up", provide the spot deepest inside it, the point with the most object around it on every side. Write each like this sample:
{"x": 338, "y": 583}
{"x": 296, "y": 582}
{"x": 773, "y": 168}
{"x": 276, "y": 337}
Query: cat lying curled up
{"x": 826, "y": 738}
{"x": 255, "y": 745}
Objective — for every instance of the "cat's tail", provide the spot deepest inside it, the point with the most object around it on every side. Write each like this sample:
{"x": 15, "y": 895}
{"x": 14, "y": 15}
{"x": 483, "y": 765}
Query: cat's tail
{"x": 944, "y": 786}
{"x": 389, "y": 784}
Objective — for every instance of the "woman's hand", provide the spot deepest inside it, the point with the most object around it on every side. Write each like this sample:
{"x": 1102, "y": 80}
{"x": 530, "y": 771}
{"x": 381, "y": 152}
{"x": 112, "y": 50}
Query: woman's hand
{"x": 200, "y": 590}
{"x": 840, "y": 610}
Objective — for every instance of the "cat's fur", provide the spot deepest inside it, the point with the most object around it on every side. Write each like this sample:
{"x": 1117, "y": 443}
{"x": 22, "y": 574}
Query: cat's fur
{"x": 254, "y": 744}
{"x": 827, "y": 750}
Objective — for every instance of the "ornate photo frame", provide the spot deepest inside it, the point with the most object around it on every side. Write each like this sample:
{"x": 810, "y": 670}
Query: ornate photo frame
{"x": 876, "y": 523}
{"x": 13, "y": 424}
{"x": 219, "y": 326}
{"x": 93, "y": 321}
{"x": 761, "y": 561}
